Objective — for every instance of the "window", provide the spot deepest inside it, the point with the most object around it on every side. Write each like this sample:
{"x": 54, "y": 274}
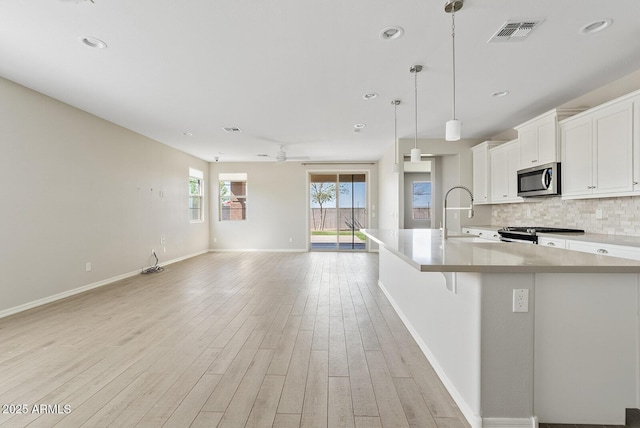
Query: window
{"x": 421, "y": 200}
{"x": 233, "y": 196}
{"x": 196, "y": 181}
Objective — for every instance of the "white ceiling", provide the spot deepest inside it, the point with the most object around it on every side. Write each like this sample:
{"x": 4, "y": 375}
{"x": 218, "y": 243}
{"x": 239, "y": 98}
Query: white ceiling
{"x": 294, "y": 72}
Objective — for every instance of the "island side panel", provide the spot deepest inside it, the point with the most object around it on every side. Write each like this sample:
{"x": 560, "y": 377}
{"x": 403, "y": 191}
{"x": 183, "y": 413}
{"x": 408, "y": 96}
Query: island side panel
{"x": 507, "y": 349}
{"x": 445, "y": 325}
{"x": 586, "y": 347}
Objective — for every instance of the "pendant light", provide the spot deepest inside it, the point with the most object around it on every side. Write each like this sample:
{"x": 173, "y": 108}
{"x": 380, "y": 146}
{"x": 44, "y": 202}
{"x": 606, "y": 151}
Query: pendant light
{"x": 454, "y": 127}
{"x": 416, "y": 155}
{"x": 395, "y": 103}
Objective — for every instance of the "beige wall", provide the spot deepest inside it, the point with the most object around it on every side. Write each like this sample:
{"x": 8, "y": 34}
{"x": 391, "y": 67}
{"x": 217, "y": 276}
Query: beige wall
{"x": 277, "y": 204}
{"x": 77, "y": 189}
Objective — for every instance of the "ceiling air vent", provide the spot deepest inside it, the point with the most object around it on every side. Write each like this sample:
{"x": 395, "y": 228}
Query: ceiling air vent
{"x": 514, "y": 31}
{"x": 232, "y": 129}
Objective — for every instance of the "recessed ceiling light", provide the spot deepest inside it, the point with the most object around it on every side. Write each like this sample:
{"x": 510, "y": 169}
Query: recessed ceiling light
{"x": 187, "y": 134}
{"x": 93, "y": 42}
{"x": 498, "y": 94}
{"x": 370, "y": 96}
{"x": 595, "y": 26}
{"x": 391, "y": 33}
{"x": 359, "y": 125}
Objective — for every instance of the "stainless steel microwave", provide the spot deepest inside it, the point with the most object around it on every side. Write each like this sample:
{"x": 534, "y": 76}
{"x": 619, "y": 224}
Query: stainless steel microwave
{"x": 541, "y": 180}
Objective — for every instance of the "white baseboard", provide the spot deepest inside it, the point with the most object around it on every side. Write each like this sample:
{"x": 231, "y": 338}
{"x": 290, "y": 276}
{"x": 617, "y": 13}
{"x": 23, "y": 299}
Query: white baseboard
{"x": 82, "y": 289}
{"x": 255, "y": 250}
{"x": 474, "y": 420}
{"x": 510, "y": 422}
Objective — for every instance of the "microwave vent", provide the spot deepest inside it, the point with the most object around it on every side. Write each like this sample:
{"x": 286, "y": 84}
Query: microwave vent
{"x": 514, "y": 31}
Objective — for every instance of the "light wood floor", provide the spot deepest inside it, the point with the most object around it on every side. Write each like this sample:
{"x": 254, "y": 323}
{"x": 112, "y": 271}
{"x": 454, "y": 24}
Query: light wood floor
{"x": 226, "y": 340}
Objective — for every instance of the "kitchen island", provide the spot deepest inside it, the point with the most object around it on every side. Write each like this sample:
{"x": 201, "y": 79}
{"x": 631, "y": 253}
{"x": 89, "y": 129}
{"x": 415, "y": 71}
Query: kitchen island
{"x": 518, "y": 333}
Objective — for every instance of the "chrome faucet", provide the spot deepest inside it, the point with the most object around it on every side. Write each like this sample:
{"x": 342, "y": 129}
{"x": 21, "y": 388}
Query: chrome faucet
{"x": 444, "y": 211}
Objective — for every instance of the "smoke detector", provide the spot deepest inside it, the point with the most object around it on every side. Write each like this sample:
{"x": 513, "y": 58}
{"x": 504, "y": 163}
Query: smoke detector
{"x": 514, "y": 31}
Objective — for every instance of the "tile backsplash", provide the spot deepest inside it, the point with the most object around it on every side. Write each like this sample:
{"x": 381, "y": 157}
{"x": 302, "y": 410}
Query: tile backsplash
{"x": 620, "y": 216}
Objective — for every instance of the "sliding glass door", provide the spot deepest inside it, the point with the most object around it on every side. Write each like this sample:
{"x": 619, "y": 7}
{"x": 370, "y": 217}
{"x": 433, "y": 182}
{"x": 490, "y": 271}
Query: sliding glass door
{"x": 338, "y": 210}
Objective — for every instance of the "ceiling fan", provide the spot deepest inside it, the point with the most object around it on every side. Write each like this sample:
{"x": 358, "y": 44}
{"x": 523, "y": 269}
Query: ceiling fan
{"x": 281, "y": 156}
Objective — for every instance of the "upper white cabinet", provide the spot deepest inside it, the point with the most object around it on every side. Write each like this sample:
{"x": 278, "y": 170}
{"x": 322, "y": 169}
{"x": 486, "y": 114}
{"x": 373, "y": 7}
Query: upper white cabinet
{"x": 482, "y": 171}
{"x": 504, "y": 161}
{"x": 539, "y": 138}
{"x": 598, "y": 151}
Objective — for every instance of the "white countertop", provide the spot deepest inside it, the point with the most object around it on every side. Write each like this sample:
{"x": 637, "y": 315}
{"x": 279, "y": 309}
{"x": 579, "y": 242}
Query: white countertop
{"x": 427, "y": 251}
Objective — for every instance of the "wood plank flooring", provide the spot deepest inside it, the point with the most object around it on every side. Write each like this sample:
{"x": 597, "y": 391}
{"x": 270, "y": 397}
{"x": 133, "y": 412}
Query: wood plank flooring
{"x": 223, "y": 340}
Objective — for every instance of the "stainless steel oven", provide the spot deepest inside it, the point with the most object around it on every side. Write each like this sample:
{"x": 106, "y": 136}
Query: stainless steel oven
{"x": 529, "y": 234}
{"x": 542, "y": 180}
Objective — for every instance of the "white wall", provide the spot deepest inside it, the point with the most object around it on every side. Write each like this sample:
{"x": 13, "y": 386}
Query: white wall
{"x": 78, "y": 189}
{"x": 453, "y": 166}
{"x": 389, "y": 191}
{"x": 425, "y": 305}
{"x": 277, "y": 205}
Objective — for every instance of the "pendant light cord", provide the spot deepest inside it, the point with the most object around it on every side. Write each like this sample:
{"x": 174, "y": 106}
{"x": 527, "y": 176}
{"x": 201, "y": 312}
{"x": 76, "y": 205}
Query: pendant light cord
{"x": 453, "y": 41}
{"x": 395, "y": 129}
{"x": 416, "y": 98}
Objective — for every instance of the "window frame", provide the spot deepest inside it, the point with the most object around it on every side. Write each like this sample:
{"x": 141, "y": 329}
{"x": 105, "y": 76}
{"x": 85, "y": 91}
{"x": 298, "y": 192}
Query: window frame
{"x": 413, "y": 200}
{"x": 230, "y": 179}
{"x": 197, "y": 175}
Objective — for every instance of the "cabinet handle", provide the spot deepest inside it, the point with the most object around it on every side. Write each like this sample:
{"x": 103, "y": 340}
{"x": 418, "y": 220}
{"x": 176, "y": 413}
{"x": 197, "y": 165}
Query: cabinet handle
{"x": 602, "y": 251}
{"x": 479, "y": 233}
{"x": 467, "y": 231}
{"x": 535, "y": 160}
{"x": 495, "y": 235}
{"x": 551, "y": 244}
{"x": 635, "y": 182}
{"x": 504, "y": 196}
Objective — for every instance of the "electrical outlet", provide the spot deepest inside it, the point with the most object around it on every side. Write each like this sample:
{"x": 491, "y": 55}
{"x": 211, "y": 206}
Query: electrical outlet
{"x": 87, "y": 267}
{"x": 290, "y": 240}
{"x": 598, "y": 213}
{"x": 521, "y": 300}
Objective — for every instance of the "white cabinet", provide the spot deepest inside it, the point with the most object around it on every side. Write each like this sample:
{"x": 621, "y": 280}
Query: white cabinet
{"x": 577, "y": 154}
{"x": 605, "y": 249}
{"x": 539, "y": 138}
{"x": 552, "y": 242}
{"x": 481, "y": 171}
{"x": 504, "y": 161}
{"x": 597, "y": 151}
{"x": 482, "y": 233}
